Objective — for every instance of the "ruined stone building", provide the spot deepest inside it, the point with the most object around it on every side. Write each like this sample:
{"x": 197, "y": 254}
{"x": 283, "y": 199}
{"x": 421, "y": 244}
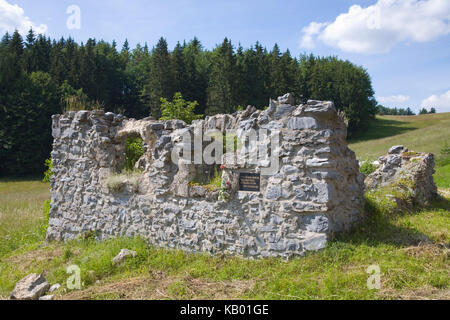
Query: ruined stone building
{"x": 281, "y": 202}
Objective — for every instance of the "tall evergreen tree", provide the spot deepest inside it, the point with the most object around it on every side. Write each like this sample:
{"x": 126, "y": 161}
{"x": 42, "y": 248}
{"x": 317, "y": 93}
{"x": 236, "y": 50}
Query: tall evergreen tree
{"x": 222, "y": 85}
{"x": 15, "y": 45}
{"x": 5, "y": 40}
{"x": 160, "y": 84}
{"x": 197, "y": 66}
{"x": 179, "y": 69}
{"x": 31, "y": 37}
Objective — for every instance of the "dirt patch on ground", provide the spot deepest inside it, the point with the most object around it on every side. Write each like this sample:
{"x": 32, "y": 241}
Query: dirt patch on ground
{"x": 26, "y": 261}
{"x": 426, "y": 293}
{"x": 428, "y": 250}
{"x": 159, "y": 286}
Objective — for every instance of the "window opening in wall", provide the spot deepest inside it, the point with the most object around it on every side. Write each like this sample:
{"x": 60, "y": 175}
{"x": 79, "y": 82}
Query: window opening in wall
{"x": 127, "y": 179}
{"x": 134, "y": 150}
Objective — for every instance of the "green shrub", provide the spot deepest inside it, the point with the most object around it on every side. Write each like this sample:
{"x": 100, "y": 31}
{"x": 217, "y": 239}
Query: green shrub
{"x": 134, "y": 151}
{"x": 179, "y": 109}
{"x": 76, "y": 100}
{"x": 367, "y": 168}
{"x": 47, "y": 174}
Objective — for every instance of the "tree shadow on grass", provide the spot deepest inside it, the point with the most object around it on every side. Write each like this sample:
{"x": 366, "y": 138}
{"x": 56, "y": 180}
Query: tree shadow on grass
{"x": 380, "y": 228}
{"x": 380, "y": 128}
{"x": 31, "y": 178}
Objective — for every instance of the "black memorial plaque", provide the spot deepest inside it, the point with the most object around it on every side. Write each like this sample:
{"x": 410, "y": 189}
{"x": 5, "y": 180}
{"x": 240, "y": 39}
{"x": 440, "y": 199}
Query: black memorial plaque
{"x": 249, "y": 182}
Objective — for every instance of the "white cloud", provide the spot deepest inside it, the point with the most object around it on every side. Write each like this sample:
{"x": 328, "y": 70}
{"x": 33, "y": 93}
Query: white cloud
{"x": 440, "y": 102}
{"x": 378, "y": 28}
{"x": 310, "y": 31}
{"x": 13, "y": 17}
{"x": 394, "y": 99}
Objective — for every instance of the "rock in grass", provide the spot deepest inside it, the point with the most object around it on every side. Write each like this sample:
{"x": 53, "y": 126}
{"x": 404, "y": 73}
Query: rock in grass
{"x": 49, "y": 297}
{"x": 123, "y": 255}
{"x": 396, "y": 150}
{"x": 32, "y": 287}
{"x": 54, "y": 287}
{"x": 408, "y": 175}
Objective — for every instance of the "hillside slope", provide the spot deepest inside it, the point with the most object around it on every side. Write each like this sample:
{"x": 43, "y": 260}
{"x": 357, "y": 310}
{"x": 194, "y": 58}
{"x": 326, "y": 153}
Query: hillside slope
{"x": 423, "y": 133}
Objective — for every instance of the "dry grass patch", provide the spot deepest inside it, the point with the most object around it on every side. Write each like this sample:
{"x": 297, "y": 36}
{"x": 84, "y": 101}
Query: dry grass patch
{"x": 425, "y": 293}
{"x": 159, "y": 286}
{"x": 27, "y": 260}
{"x": 428, "y": 250}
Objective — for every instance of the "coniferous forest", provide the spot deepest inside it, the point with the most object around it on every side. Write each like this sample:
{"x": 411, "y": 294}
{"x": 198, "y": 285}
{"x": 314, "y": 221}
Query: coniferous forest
{"x": 40, "y": 77}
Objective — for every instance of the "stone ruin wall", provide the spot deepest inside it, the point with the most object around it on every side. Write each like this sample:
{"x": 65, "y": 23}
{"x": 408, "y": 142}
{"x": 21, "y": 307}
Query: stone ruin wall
{"x": 316, "y": 192}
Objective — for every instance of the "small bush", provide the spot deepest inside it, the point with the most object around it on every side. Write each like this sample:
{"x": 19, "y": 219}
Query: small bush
{"x": 76, "y": 100}
{"x": 47, "y": 174}
{"x": 134, "y": 150}
{"x": 179, "y": 109}
{"x": 367, "y": 168}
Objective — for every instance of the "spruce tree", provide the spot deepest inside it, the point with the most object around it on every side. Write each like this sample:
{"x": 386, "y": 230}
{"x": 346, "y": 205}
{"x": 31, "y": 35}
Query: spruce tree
{"x": 197, "y": 66}
{"x": 222, "y": 84}
{"x": 31, "y": 37}
{"x": 160, "y": 84}
{"x": 179, "y": 69}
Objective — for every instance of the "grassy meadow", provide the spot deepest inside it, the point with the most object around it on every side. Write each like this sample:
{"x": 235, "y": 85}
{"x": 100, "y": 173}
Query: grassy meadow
{"x": 423, "y": 133}
{"x": 411, "y": 248}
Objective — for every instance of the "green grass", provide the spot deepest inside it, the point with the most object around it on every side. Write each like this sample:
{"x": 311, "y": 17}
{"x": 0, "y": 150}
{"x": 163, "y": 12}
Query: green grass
{"x": 411, "y": 249}
{"x": 21, "y": 213}
{"x": 424, "y": 133}
{"x": 442, "y": 176}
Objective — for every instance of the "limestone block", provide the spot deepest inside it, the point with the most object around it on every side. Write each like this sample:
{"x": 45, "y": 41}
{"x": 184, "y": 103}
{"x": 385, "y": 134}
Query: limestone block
{"x": 32, "y": 287}
{"x": 314, "y": 242}
{"x": 123, "y": 255}
{"x": 297, "y": 123}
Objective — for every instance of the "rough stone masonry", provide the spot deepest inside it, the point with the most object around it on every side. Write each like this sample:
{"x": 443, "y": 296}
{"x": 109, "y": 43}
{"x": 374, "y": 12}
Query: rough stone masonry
{"x": 316, "y": 191}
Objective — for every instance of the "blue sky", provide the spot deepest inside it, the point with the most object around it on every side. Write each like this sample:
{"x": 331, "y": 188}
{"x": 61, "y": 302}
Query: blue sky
{"x": 404, "y": 44}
